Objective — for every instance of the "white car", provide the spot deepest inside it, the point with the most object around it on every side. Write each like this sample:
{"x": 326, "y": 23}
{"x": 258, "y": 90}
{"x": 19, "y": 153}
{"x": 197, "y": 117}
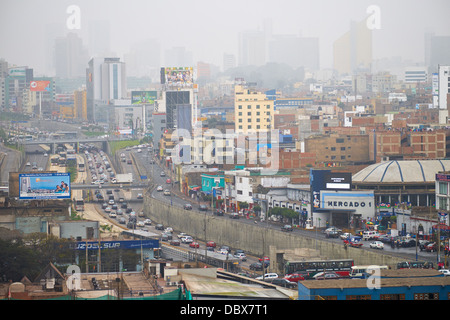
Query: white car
{"x": 159, "y": 188}
{"x": 241, "y": 256}
{"x": 271, "y": 275}
{"x": 141, "y": 224}
{"x": 112, "y": 215}
{"x": 187, "y": 239}
{"x": 167, "y": 192}
{"x": 168, "y": 229}
{"x": 446, "y": 272}
{"x": 148, "y": 222}
{"x": 223, "y": 251}
{"x": 182, "y": 235}
{"x": 377, "y": 245}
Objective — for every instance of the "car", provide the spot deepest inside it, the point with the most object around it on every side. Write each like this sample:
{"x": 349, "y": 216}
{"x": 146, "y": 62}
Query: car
{"x": 167, "y": 192}
{"x": 119, "y": 212}
{"x": 187, "y": 206}
{"x": 111, "y": 201}
{"x": 162, "y": 174}
{"x": 226, "y": 248}
{"x": 187, "y": 239}
{"x": 431, "y": 247}
{"x": 129, "y": 161}
{"x": 446, "y": 272}
{"x": 121, "y": 200}
{"x": 147, "y": 222}
{"x": 168, "y": 235}
{"x": 168, "y": 181}
{"x": 140, "y": 224}
{"x": 194, "y": 245}
{"x": 107, "y": 209}
{"x": 294, "y": 277}
{"x": 241, "y": 256}
{"x": 234, "y": 215}
{"x": 28, "y": 164}
{"x": 164, "y": 237}
{"x": 332, "y": 232}
{"x": 175, "y": 242}
{"x": 326, "y": 276}
{"x": 159, "y": 188}
{"x": 271, "y": 275}
{"x": 129, "y": 210}
{"x": 159, "y": 227}
{"x": 203, "y": 207}
{"x": 256, "y": 266}
{"x": 218, "y": 212}
{"x": 282, "y": 283}
{"x": 211, "y": 244}
{"x": 376, "y": 245}
{"x": 112, "y": 214}
{"x": 345, "y": 236}
{"x": 223, "y": 251}
{"x": 287, "y": 227}
{"x": 140, "y": 196}
{"x": 45, "y": 155}
{"x": 122, "y": 220}
{"x": 104, "y": 205}
{"x": 168, "y": 229}
{"x": 139, "y": 150}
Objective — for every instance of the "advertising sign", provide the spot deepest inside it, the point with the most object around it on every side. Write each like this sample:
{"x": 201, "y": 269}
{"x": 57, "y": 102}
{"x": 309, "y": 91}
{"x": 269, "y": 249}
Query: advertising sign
{"x": 179, "y": 77}
{"x": 40, "y": 85}
{"x": 49, "y": 186}
{"x": 129, "y": 244}
{"x": 338, "y": 181}
{"x": 362, "y": 202}
{"x": 143, "y": 97}
{"x": 17, "y": 72}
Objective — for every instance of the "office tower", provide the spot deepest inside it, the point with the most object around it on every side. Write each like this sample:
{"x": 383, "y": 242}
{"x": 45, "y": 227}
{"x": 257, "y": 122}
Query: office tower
{"x": 229, "y": 61}
{"x": 70, "y": 56}
{"x": 415, "y": 74}
{"x": 437, "y": 51}
{"x": 99, "y": 38}
{"x": 252, "y": 48}
{"x": 444, "y": 93}
{"x": 105, "y": 81}
{"x": 295, "y": 51}
{"x": 253, "y": 110}
{"x": 352, "y": 52}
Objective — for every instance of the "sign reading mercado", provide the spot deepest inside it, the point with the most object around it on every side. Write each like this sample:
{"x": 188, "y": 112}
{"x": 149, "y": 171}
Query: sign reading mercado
{"x": 179, "y": 77}
{"x": 143, "y": 97}
{"x": 44, "y": 186}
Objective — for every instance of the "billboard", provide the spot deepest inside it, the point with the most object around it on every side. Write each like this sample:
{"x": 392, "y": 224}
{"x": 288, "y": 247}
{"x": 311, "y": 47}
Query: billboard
{"x": 38, "y": 186}
{"x": 179, "y": 77}
{"x": 338, "y": 181}
{"x": 143, "y": 97}
{"x": 117, "y": 244}
{"x": 40, "y": 86}
{"x": 362, "y": 202}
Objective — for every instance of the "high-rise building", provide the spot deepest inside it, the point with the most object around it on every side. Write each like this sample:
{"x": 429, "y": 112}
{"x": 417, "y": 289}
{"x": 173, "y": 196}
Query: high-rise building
{"x": 352, "y": 52}
{"x": 229, "y": 61}
{"x": 71, "y": 56}
{"x": 99, "y": 38}
{"x": 253, "y": 110}
{"x": 415, "y": 74}
{"x": 295, "y": 51}
{"x": 437, "y": 51}
{"x": 252, "y": 48}
{"x": 105, "y": 81}
{"x": 444, "y": 93}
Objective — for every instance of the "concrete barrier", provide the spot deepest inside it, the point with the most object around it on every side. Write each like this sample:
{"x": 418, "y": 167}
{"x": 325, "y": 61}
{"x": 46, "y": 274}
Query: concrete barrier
{"x": 254, "y": 239}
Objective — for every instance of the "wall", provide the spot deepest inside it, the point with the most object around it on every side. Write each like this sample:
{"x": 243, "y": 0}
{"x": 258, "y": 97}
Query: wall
{"x": 252, "y": 237}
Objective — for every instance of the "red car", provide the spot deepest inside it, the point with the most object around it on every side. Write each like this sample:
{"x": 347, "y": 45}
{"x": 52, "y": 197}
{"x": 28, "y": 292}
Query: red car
{"x": 211, "y": 244}
{"x": 194, "y": 245}
{"x": 294, "y": 277}
{"x": 168, "y": 181}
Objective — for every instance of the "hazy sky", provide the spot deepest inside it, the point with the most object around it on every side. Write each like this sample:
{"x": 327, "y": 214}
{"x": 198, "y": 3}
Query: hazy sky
{"x": 209, "y": 28}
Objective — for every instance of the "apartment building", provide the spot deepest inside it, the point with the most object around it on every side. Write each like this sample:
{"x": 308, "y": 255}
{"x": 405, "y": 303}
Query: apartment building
{"x": 253, "y": 111}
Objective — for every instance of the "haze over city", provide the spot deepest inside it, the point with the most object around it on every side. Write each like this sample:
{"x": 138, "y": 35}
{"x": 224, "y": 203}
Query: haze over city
{"x": 209, "y": 29}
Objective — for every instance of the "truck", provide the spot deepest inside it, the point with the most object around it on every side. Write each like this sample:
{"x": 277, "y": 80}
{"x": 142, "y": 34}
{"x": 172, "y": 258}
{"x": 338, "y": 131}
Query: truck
{"x": 124, "y": 178}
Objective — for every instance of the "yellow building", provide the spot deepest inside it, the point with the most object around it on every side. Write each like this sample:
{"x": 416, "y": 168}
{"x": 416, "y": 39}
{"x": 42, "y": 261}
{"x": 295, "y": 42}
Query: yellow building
{"x": 80, "y": 104}
{"x": 253, "y": 110}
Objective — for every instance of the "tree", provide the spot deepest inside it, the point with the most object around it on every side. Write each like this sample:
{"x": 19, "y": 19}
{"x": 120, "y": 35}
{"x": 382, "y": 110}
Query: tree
{"x": 284, "y": 212}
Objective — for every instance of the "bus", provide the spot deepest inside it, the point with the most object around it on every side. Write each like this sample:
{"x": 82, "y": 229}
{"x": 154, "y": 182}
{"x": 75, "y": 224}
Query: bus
{"x": 62, "y": 162}
{"x": 360, "y": 272}
{"x": 415, "y": 265}
{"x": 311, "y": 267}
{"x": 81, "y": 167}
{"x": 79, "y": 204}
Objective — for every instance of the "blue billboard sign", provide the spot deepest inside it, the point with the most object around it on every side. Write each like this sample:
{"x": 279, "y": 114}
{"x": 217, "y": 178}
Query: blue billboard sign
{"x": 119, "y": 244}
{"x": 41, "y": 186}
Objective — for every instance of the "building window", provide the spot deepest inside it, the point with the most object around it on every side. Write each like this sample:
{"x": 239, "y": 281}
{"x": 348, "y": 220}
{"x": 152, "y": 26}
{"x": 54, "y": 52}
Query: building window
{"x": 443, "y": 188}
{"x": 359, "y": 297}
{"x": 392, "y": 296}
{"x": 239, "y": 107}
{"x": 333, "y": 148}
{"x": 426, "y": 296}
{"x": 239, "y": 191}
{"x": 249, "y": 113}
{"x": 442, "y": 203}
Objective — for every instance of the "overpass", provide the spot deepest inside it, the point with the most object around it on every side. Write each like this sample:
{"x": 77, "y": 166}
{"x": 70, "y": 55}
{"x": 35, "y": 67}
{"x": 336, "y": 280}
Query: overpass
{"x": 108, "y": 186}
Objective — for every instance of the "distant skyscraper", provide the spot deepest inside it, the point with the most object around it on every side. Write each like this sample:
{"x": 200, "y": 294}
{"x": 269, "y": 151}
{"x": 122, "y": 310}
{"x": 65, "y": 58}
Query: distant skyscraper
{"x": 437, "y": 51}
{"x": 229, "y": 61}
{"x": 252, "y": 48}
{"x": 99, "y": 38}
{"x": 353, "y": 51}
{"x": 444, "y": 93}
{"x": 295, "y": 51}
{"x": 105, "y": 81}
{"x": 71, "y": 56}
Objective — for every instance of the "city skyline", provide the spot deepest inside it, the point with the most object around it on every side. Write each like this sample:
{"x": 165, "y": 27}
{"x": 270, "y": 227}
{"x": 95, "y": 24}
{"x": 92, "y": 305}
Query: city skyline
{"x": 211, "y": 29}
